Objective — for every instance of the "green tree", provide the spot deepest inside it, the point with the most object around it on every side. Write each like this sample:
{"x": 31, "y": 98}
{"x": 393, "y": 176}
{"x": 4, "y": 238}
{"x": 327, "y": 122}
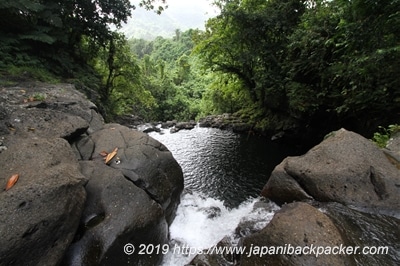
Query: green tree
{"x": 55, "y": 30}
{"x": 342, "y": 64}
{"x": 182, "y": 69}
{"x": 171, "y": 73}
{"x": 249, "y": 40}
{"x": 122, "y": 89}
{"x": 316, "y": 64}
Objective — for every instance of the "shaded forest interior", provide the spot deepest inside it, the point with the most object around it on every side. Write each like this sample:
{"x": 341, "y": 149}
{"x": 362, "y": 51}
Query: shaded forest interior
{"x": 302, "y": 67}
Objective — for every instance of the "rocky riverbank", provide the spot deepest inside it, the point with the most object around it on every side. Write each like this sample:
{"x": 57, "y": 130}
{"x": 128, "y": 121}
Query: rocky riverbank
{"x": 232, "y": 122}
{"x": 224, "y": 121}
{"x": 77, "y": 190}
{"x": 344, "y": 192}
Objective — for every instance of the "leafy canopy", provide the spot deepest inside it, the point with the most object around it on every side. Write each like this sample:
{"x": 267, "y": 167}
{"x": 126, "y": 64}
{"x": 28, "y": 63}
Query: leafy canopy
{"x": 314, "y": 64}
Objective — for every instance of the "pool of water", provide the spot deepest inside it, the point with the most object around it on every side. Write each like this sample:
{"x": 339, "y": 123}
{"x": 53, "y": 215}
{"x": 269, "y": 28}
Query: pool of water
{"x": 224, "y": 173}
{"x": 224, "y": 165}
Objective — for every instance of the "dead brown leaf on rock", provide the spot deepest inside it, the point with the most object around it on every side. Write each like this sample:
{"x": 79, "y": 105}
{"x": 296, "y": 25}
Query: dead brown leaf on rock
{"x": 30, "y": 99}
{"x": 11, "y": 181}
{"x": 111, "y": 155}
{"x": 103, "y": 153}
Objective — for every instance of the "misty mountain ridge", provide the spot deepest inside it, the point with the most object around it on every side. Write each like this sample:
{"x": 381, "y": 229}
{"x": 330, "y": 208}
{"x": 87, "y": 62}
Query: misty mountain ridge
{"x": 183, "y": 16}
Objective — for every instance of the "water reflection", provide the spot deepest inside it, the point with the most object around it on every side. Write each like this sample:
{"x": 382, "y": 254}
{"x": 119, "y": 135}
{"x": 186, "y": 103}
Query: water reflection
{"x": 224, "y": 165}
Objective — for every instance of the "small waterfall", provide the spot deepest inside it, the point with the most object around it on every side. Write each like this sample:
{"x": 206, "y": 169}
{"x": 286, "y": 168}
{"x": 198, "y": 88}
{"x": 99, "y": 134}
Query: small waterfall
{"x": 224, "y": 173}
{"x": 201, "y": 222}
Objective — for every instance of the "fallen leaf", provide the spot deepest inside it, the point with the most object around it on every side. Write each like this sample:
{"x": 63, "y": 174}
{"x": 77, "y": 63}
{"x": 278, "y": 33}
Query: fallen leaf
{"x": 103, "y": 153}
{"x": 30, "y": 99}
{"x": 111, "y": 155}
{"x": 11, "y": 181}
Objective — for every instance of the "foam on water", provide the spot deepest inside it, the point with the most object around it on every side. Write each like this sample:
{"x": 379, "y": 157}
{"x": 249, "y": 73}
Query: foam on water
{"x": 224, "y": 173}
{"x": 201, "y": 222}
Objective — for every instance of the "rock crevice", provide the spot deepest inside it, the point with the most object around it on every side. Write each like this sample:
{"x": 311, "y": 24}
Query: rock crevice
{"x": 69, "y": 206}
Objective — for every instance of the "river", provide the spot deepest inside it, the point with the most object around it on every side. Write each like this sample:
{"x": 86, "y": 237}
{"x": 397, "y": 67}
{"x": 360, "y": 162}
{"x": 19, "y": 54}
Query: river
{"x": 224, "y": 173}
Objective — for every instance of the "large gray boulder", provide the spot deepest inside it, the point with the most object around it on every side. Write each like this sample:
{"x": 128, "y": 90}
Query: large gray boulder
{"x": 357, "y": 186}
{"x": 344, "y": 168}
{"x": 47, "y": 111}
{"x": 341, "y": 234}
{"x": 131, "y": 199}
{"x": 40, "y": 213}
{"x": 142, "y": 160}
{"x": 116, "y": 213}
{"x": 53, "y": 137}
{"x": 349, "y": 193}
{"x": 298, "y": 225}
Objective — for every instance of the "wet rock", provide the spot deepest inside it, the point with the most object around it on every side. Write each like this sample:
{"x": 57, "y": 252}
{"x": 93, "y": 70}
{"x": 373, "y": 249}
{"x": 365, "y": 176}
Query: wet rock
{"x": 257, "y": 219}
{"x": 177, "y": 126}
{"x": 144, "y": 161}
{"x": 169, "y": 124}
{"x": 132, "y": 121}
{"x": 40, "y": 213}
{"x": 282, "y": 188}
{"x": 373, "y": 231}
{"x": 116, "y": 213}
{"x": 344, "y": 168}
{"x": 131, "y": 199}
{"x": 185, "y": 125}
{"x": 147, "y": 128}
{"x": 212, "y": 212}
{"x": 226, "y": 121}
{"x": 392, "y": 150}
{"x": 298, "y": 225}
{"x": 44, "y": 129}
{"x": 210, "y": 257}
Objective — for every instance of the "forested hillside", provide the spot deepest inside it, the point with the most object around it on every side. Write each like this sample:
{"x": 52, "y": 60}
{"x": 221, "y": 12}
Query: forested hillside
{"x": 309, "y": 64}
{"x": 296, "y": 66}
{"x": 172, "y": 76}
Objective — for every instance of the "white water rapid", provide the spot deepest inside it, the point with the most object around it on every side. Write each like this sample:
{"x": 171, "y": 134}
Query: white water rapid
{"x": 201, "y": 222}
{"x": 224, "y": 173}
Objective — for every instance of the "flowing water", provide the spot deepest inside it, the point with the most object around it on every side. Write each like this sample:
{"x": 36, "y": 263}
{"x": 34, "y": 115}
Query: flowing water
{"x": 224, "y": 173}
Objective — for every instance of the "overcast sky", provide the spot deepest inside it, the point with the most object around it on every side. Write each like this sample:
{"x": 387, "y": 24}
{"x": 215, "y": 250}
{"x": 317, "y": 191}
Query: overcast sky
{"x": 204, "y": 6}
{"x": 180, "y": 14}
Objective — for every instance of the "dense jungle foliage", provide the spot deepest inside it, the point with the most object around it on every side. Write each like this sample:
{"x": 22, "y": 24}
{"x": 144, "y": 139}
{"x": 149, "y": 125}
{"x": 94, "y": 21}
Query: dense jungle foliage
{"x": 281, "y": 64}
